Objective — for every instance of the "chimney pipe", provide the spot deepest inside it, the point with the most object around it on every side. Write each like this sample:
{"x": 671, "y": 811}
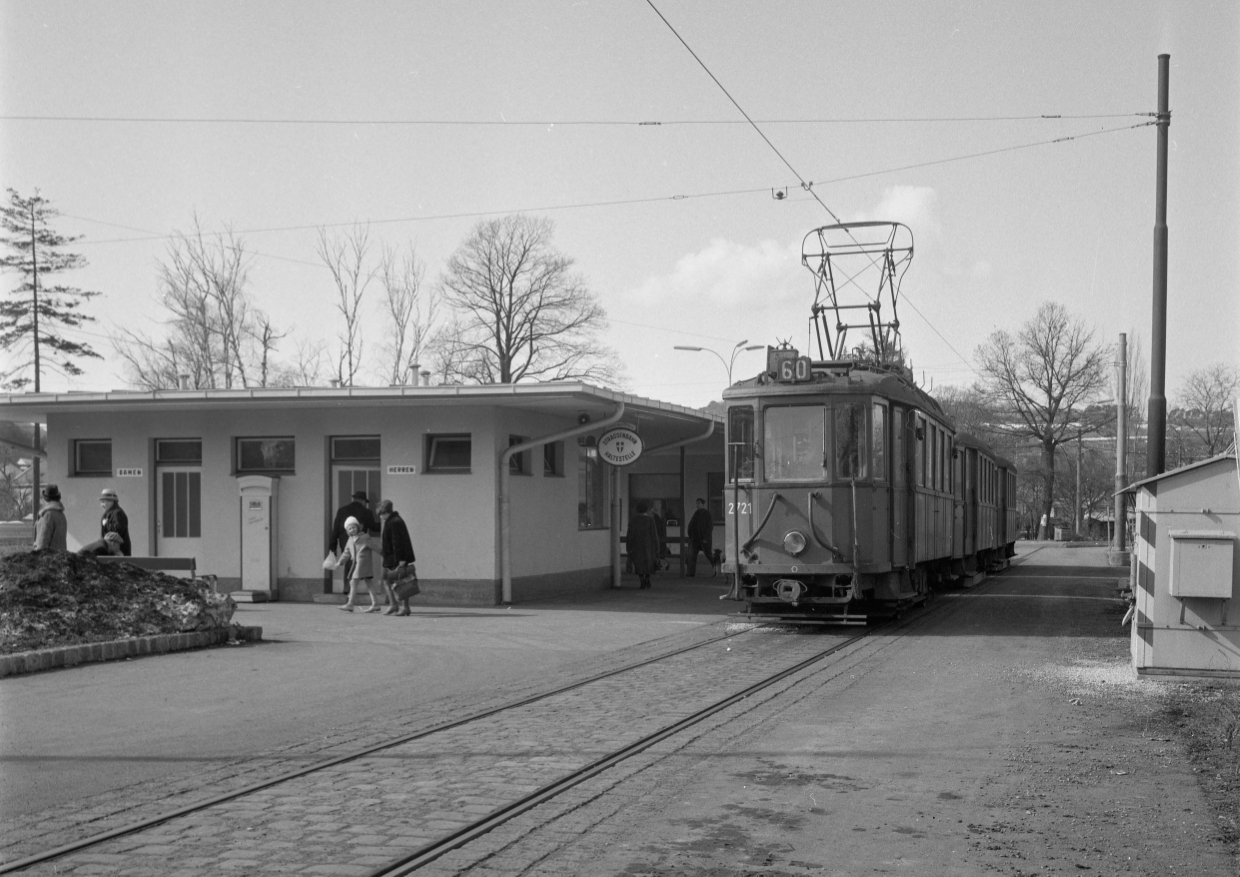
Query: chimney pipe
{"x": 426, "y": 379}
{"x": 335, "y": 382}
{"x": 182, "y": 382}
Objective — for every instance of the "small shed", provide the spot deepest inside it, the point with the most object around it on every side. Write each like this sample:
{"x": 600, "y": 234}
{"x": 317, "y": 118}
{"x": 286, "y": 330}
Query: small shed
{"x": 1185, "y": 571}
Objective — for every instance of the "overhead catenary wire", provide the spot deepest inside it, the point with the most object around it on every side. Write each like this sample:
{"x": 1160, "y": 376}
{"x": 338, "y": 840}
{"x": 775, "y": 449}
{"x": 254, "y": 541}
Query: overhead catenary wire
{"x": 614, "y": 202}
{"x": 555, "y": 123}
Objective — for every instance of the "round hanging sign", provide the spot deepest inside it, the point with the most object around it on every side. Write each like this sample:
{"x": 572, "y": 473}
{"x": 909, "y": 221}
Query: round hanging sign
{"x": 620, "y": 446}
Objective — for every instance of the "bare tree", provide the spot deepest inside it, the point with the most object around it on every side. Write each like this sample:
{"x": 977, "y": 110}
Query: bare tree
{"x": 347, "y": 257}
{"x": 523, "y": 313}
{"x": 410, "y": 312}
{"x": 1202, "y": 422}
{"x": 215, "y": 334}
{"x": 1044, "y": 377}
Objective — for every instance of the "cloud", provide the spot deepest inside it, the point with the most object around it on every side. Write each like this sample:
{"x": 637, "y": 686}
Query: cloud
{"x": 726, "y": 274}
{"x": 912, "y": 205}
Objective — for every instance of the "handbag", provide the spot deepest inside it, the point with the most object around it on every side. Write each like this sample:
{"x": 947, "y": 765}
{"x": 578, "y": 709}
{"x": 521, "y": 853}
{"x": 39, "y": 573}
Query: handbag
{"x": 407, "y": 587}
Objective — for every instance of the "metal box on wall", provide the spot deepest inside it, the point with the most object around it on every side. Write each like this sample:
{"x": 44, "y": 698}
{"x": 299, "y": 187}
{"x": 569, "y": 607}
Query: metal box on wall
{"x": 1201, "y": 563}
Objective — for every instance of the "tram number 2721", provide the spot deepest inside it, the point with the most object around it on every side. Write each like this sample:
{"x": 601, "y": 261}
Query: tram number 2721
{"x": 746, "y": 508}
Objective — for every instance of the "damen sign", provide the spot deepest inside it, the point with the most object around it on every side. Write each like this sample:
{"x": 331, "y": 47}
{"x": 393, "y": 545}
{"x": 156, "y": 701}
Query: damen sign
{"x": 619, "y": 446}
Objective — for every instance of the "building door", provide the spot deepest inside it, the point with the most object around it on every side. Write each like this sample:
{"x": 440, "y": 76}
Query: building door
{"x": 355, "y": 466}
{"x": 178, "y": 524}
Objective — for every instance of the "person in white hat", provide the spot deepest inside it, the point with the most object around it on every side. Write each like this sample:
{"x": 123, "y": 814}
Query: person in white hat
{"x": 360, "y": 552}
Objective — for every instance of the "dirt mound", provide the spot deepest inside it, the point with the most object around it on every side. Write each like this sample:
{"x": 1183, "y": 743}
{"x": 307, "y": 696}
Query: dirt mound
{"x": 50, "y": 599}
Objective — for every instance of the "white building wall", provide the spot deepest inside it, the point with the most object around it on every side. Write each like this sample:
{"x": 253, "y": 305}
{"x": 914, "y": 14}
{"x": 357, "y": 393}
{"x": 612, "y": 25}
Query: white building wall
{"x": 452, "y": 517}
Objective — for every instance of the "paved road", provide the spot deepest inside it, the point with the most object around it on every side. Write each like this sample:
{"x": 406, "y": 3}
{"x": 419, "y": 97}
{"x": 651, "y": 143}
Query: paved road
{"x": 69, "y": 734}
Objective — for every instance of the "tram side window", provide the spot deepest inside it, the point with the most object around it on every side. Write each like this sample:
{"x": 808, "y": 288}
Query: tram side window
{"x": 850, "y": 450}
{"x": 740, "y": 443}
{"x": 794, "y": 443}
{"x": 934, "y": 457}
{"x": 880, "y": 442}
{"x": 943, "y": 482}
{"x": 919, "y": 455}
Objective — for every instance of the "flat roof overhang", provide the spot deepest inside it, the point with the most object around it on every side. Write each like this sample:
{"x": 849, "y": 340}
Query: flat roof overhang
{"x": 658, "y": 422}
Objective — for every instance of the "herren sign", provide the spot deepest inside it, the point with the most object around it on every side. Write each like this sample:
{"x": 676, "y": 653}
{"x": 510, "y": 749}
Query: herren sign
{"x": 619, "y": 446}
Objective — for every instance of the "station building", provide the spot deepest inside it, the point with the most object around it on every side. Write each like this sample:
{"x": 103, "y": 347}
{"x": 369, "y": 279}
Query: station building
{"x": 503, "y": 487}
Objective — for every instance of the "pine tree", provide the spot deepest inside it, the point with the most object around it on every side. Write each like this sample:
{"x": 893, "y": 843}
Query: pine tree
{"x": 35, "y": 313}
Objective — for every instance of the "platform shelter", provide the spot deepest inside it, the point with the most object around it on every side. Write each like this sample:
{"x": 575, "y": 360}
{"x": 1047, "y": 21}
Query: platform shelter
{"x": 502, "y": 486}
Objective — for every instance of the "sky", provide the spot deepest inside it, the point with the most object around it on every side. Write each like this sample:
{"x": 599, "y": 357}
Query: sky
{"x": 423, "y": 119}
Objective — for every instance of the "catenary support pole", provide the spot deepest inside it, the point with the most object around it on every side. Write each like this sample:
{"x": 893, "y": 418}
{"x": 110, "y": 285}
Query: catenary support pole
{"x": 1155, "y": 463}
{"x": 1121, "y": 441}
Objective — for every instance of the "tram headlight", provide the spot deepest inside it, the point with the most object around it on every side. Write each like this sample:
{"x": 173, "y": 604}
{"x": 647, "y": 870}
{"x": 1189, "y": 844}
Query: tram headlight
{"x": 794, "y": 542}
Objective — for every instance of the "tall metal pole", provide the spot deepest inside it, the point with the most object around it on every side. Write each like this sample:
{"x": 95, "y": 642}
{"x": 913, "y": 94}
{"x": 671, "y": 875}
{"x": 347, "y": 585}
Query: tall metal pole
{"x": 1121, "y": 442}
{"x": 1156, "y": 440}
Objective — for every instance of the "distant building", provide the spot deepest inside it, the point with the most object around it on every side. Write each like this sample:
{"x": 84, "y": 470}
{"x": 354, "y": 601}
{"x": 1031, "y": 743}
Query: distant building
{"x": 248, "y": 481}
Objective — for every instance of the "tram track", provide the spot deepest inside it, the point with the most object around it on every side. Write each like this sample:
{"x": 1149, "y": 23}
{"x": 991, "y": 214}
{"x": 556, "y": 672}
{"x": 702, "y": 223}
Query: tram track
{"x": 463, "y": 835}
{"x": 198, "y": 806}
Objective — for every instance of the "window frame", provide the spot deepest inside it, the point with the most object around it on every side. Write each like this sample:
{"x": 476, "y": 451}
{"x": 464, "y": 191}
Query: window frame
{"x": 520, "y": 462}
{"x": 340, "y": 458}
{"x": 588, "y": 459}
{"x": 862, "y": 435}
{"x": 161, "y": 461}
{"x": 238, "y": 469}
{"x": 553, "y": 460}
{"x": 432, "y": 442}
{"x": 823, "y": 411}
{"x": 734, "y": 459}
{"x": 79, "y": 471}
{"x": 878, "y": 444}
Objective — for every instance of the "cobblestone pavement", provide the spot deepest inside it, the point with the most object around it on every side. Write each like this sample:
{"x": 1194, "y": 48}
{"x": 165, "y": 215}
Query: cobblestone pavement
{"x": 354, "y": 817}
{"x": 25, "y": 834}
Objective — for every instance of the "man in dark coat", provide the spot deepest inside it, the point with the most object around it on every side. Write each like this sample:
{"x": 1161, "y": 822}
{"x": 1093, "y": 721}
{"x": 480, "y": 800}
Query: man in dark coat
{"x": 113, "y": 528}
{"x": 642, "y": 541}
{"x": 359, "y": 508}
{"x": 398, "y": 557}
{"x": 701, "y": 536}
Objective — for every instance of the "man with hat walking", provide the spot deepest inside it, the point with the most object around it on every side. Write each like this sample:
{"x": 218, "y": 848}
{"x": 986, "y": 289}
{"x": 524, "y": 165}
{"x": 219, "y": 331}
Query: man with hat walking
{"x": 52, "y": 531}
{"x": 359, "y": 508}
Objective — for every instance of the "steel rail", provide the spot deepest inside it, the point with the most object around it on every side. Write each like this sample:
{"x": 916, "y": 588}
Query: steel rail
{"x": 150, "y": 822}
{"x": 498, "y": 817}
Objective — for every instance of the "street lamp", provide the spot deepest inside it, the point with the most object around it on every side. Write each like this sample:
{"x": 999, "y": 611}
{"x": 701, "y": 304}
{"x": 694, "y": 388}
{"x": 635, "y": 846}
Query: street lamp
{"x": 729, "y": 362}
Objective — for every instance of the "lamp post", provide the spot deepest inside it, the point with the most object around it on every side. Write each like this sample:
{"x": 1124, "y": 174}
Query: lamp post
{"x": 730, "y": 361}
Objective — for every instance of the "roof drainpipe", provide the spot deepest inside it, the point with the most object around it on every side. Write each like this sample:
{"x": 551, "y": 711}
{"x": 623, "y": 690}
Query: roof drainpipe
{"x": 505, "y": 529}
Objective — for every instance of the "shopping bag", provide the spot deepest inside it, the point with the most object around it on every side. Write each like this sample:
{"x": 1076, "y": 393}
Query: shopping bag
{"x": 330, "y": 562}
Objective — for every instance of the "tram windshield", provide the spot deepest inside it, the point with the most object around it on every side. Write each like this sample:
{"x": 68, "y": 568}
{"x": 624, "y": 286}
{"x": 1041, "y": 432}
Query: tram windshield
{"x": 794, "y": 445}
{"x": 740, "y": 443}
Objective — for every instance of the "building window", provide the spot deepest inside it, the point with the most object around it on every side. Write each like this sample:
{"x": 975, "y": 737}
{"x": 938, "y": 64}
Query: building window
{"x": 519, "y": 463}
{"x": 263, "y": 455}
{"x": 179, "y": 452}
{"x": 348, "y": 449}
{"x": 180, "y": 504}
{"x": 591, "y": 490}
{"x": 740, "y": 443}
{"x": 92, "y": 457}
{"x": 449, "y": 453}
{"x": 553, "y": 459}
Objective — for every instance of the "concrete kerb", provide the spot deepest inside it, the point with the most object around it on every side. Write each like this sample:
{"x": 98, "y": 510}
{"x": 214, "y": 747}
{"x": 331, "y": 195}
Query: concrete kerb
{"x": 72, "y": 656}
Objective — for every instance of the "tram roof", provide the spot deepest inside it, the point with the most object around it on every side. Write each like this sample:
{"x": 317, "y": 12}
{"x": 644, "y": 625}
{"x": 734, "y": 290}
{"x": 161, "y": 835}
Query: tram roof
{"x": 841, "y": 378}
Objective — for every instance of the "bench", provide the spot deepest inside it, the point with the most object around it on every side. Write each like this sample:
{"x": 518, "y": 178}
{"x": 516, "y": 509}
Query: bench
{"x": 162, "y": 564}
